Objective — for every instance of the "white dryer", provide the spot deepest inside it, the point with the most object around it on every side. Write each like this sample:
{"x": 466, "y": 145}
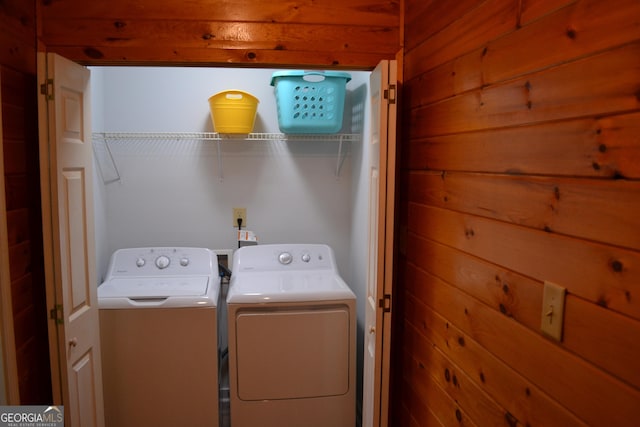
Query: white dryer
{"x": 158, "y": 331}
{"x": 292, "y": 338}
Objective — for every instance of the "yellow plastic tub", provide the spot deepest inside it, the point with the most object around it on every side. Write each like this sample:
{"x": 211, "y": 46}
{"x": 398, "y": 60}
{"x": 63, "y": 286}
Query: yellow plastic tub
{"x": 233, "y": 111}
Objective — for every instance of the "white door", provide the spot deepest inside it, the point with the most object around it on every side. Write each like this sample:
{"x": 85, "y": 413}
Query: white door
{"x": 69, "y": 249}
{"x": 377, "y": 338}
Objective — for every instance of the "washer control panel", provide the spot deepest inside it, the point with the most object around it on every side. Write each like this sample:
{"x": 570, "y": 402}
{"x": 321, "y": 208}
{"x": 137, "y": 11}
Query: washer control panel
{"x": 163, "y": 261}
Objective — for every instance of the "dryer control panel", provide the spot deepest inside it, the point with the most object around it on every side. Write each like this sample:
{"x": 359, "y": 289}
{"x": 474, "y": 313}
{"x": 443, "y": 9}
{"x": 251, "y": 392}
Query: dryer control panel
{"x": 284, "y": 257}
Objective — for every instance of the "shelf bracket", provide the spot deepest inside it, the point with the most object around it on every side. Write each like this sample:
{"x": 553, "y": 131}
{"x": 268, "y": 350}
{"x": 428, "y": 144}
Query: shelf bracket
{"x": 340, "y": 157}
{"x": 220, "y": 171}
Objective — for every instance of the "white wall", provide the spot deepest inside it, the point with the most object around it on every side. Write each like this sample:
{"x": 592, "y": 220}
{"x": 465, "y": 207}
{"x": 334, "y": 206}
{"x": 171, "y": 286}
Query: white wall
{"x": 99, "y": 194}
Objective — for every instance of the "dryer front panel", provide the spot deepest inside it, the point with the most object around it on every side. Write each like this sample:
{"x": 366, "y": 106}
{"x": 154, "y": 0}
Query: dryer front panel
{"x": 292, "y": 354}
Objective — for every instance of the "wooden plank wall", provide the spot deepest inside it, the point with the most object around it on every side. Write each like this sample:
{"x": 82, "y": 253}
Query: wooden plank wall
{"x": 330, "y": 33}
{"x": 520, "y": 164}
{"x": 22, "y": 187}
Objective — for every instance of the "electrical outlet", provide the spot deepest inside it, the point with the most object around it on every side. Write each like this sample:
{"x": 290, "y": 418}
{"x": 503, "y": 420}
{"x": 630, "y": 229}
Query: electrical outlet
{"x": 553, "y": 310}
{"x": 240, "y": 213}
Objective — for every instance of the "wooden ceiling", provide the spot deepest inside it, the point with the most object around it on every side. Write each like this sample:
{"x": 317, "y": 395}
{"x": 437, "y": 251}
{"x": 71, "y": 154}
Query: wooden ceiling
{"x": 353, "y": 34}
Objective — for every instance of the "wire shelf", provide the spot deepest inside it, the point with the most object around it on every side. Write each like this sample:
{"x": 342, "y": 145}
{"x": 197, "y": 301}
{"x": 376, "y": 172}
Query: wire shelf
{"x": 107, "y": 137}
{"x": 214, "y": 136}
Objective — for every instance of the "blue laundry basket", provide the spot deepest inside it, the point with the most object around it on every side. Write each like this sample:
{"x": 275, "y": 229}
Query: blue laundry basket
{"x": 310, "y": 101}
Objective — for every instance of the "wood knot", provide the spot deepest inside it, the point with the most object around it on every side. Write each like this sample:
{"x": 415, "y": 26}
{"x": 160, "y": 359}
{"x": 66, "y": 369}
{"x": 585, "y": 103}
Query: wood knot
{"x": 461, "y": 341}
{"x": 618, "y": 175}
{"x": 617, "y": 266}
{"x": 482, "y": 379}
{"x": 454, "y": 380}
{"x": 251, "y": 55}
{"x": 511, "y": 420}
{"x": 207, "y": 36}
{"x": 458, "y": 415}
{"x": 447, "y": 375}
{"x": 119, "y": 24}
{"x": 93, "y": 53}
{"x": 571, "y": 33}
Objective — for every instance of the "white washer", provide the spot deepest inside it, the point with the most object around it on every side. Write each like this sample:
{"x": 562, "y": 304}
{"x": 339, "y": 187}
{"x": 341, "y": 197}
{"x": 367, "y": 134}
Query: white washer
{"x": 292, "y": 332}
{"x": 158, "y": 332}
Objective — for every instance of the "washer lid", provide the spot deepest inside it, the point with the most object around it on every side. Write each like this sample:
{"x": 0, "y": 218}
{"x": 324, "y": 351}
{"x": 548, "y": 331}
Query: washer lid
{"x": 156, "y": 291}
{"x": 282, "y": 287}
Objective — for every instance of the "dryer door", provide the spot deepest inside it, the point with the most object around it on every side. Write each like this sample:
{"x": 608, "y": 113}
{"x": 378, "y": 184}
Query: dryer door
{"x": 293, "y": 353}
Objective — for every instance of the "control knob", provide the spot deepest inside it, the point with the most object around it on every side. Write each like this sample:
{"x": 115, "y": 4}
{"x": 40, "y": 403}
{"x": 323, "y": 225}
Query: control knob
{"x": 140, "y": 262}
{"x": 285, "y": 258}
{"x": 162, "y": 262}
{"x": 184, "y": 261}
{"x": 306, "y": 257}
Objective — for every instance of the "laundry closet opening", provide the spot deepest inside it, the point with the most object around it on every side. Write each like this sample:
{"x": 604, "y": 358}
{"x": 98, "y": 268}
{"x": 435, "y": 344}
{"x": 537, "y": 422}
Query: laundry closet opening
{"x": 159, "y": 182}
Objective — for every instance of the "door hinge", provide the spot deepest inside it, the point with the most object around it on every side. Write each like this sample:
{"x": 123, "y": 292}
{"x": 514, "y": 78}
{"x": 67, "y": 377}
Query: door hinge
{"x": 46, "y": 89}
{"x": 390, "y": 94}
{"x": 56, "y": 314}
{"x": 385, "y": 303}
